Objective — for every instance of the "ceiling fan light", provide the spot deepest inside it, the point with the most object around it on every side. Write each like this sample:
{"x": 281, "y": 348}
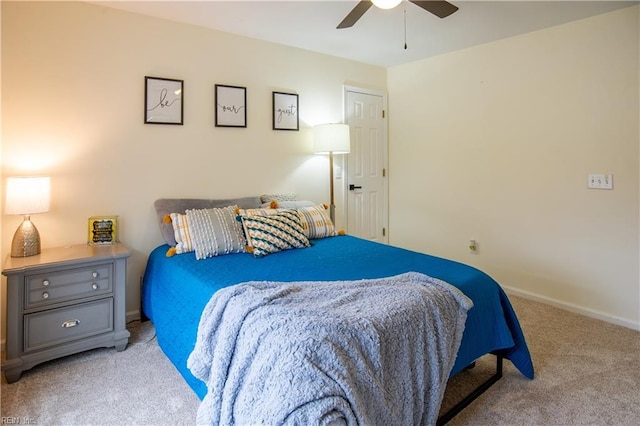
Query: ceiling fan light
{"x": 386, "y": 4}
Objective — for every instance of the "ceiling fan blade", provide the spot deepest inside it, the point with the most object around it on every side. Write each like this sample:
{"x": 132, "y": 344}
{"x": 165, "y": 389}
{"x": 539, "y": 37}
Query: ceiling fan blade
{"x": 441, "y": 9}
{"x": 355, "y": 14}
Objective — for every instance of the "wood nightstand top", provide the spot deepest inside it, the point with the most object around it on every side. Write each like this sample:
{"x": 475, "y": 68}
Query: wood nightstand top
{"x": 66, "y": 254}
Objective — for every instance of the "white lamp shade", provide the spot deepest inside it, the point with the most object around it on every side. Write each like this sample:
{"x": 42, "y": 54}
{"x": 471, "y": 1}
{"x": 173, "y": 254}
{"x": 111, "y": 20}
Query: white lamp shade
{"x": 28, "y": 195}
{"x": 386, "y": 4}
{"x": 334, "y": 138}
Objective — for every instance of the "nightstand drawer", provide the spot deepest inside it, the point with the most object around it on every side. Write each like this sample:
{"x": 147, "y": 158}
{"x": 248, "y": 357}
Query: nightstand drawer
{"x": 59, "y": 286}
{"x": 58, "y": 326}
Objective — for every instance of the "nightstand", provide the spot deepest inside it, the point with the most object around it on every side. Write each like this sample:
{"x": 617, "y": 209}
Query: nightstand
{"x": 63, "y": 301}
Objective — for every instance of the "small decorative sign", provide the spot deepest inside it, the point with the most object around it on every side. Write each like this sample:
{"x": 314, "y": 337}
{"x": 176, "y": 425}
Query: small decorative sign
{"x": 103, "y": 229}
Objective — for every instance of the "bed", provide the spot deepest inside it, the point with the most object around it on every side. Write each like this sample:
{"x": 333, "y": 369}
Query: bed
{"x": 176, "y": 290}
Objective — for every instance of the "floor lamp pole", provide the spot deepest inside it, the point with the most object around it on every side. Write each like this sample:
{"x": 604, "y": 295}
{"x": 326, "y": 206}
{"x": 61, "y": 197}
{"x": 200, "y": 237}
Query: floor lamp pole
{"x": 332, "y": 206}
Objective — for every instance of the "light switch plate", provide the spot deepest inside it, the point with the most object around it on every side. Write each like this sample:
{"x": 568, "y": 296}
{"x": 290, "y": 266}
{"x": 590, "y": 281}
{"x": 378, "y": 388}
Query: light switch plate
{"x": 600, "y": 181}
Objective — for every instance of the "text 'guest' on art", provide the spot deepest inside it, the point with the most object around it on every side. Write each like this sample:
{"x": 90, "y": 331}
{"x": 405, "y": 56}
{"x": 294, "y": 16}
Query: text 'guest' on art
{"x": 285, "y": 111}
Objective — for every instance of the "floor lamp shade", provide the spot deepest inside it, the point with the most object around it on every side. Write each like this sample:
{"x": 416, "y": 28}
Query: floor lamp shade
{"x": 331, "y": 139}
{"x": 27, "y": 196}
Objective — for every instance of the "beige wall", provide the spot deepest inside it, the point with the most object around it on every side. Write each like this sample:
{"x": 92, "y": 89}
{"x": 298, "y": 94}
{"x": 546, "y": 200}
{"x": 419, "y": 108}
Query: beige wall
{"x": 494, "y": 143}
{"x": 72, "y": 99}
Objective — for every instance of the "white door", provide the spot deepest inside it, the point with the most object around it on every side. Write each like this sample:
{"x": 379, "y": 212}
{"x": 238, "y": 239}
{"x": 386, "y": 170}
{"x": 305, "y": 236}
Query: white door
{"x": 366, "y": 185}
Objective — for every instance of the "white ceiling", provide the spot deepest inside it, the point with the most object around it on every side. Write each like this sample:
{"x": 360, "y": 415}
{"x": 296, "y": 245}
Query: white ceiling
{"x": 378, "y": 37}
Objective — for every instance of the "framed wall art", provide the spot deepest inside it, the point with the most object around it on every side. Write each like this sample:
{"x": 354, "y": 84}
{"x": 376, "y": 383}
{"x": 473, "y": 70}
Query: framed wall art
{"x": 163, "y": 100}
{"x": 285, "y": 111}
{"x": 231, "y": 106}
{"x": 103, "y": 230}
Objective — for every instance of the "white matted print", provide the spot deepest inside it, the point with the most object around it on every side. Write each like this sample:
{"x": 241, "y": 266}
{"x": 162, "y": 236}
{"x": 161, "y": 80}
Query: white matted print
{"x": 285, "y": 111}
{"x": 231, "y": 106}
{"x": 163, "y": 100}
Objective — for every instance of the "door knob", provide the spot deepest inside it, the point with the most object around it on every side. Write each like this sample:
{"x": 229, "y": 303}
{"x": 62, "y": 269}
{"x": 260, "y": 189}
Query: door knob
{"x": 352, "y": 187}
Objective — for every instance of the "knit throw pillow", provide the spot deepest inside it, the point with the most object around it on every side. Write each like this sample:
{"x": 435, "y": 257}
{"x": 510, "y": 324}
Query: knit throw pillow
{"x": 274, "y": 233}
{"x": 215, "y": 232}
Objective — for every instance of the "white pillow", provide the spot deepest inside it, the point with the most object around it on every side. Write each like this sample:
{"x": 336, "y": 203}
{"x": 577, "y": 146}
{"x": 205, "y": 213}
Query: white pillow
{"x": 288, "y": 204}
{"x": 267, "y": 198}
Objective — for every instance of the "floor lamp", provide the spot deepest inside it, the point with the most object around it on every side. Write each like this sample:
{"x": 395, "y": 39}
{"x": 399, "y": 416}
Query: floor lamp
{"x": 331, "y": 139}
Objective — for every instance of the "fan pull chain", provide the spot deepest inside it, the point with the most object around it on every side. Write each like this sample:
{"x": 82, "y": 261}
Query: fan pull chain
{"x": 404, "y": 4}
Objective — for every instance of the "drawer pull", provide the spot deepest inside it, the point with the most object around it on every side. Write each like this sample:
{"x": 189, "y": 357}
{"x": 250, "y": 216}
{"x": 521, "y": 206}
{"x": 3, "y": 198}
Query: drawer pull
{"x": 94, "y": 274}
{"x": 45, "y": 283}
{"x": 95, "y": 286}
{"x": 45, "y": 295}
{"x": 70, "y": 323}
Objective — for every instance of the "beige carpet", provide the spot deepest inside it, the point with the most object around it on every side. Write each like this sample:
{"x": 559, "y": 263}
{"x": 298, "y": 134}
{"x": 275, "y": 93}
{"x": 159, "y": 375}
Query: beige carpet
{"x": 587, "y": 373}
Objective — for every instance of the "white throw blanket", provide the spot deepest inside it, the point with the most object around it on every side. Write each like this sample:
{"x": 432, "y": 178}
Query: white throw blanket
{"x": 368, "y": 352}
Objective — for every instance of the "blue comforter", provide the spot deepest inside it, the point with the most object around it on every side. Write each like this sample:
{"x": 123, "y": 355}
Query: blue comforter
{"x": 176, "y": 290}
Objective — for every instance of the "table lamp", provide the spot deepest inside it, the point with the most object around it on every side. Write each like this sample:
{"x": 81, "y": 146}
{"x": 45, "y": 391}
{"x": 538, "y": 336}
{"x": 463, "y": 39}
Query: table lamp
{"x": 331, "y": 139}
{"x": 27, "y": 196}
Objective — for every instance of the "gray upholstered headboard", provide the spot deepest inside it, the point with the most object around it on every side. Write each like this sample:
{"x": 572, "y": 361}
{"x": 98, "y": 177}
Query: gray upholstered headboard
{"x": 165, "y": 206}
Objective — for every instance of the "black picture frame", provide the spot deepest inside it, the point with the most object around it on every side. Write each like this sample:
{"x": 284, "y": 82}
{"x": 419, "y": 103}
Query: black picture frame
{"x": 163, "y": 100}
{"x": 230, "y": 106}
{"x": 285, "y": 111}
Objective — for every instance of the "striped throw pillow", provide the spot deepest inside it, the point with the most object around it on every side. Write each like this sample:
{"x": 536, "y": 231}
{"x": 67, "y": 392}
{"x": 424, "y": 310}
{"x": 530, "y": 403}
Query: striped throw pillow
{"x": 181, "y": 233}
{"x": 274, "y": 233}
{"x": 316, "y": 222}
{"x": 215, "y": 232}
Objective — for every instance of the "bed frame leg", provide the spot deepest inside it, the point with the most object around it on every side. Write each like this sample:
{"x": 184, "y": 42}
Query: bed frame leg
{"x": 473, "y": 395}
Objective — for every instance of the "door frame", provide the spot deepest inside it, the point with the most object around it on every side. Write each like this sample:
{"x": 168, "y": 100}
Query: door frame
{"x": 385, "y": 142}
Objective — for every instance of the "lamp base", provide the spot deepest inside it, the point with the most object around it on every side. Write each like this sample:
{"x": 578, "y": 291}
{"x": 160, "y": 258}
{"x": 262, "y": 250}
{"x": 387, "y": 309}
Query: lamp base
{"x": 332, "y": 213}
{"x": 332, "y": 205}
{"x": 26, "y": 240}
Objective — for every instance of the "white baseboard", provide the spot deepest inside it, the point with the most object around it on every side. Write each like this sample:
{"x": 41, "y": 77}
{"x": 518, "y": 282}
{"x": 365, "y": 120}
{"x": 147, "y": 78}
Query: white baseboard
{"x": 573, "y": 308}
{"x": 133, "y": 316}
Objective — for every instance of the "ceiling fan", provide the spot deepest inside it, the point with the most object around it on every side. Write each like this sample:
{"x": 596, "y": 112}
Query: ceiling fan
{"x": 441, "y": 9}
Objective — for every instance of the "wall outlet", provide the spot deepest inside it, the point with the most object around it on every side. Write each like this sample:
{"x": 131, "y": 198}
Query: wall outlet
{"x": 473, "y": 247}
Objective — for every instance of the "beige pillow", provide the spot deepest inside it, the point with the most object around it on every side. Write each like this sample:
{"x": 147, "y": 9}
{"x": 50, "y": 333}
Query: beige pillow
{"x": 181, "y": 233}
{"x": 316, "y": 222}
